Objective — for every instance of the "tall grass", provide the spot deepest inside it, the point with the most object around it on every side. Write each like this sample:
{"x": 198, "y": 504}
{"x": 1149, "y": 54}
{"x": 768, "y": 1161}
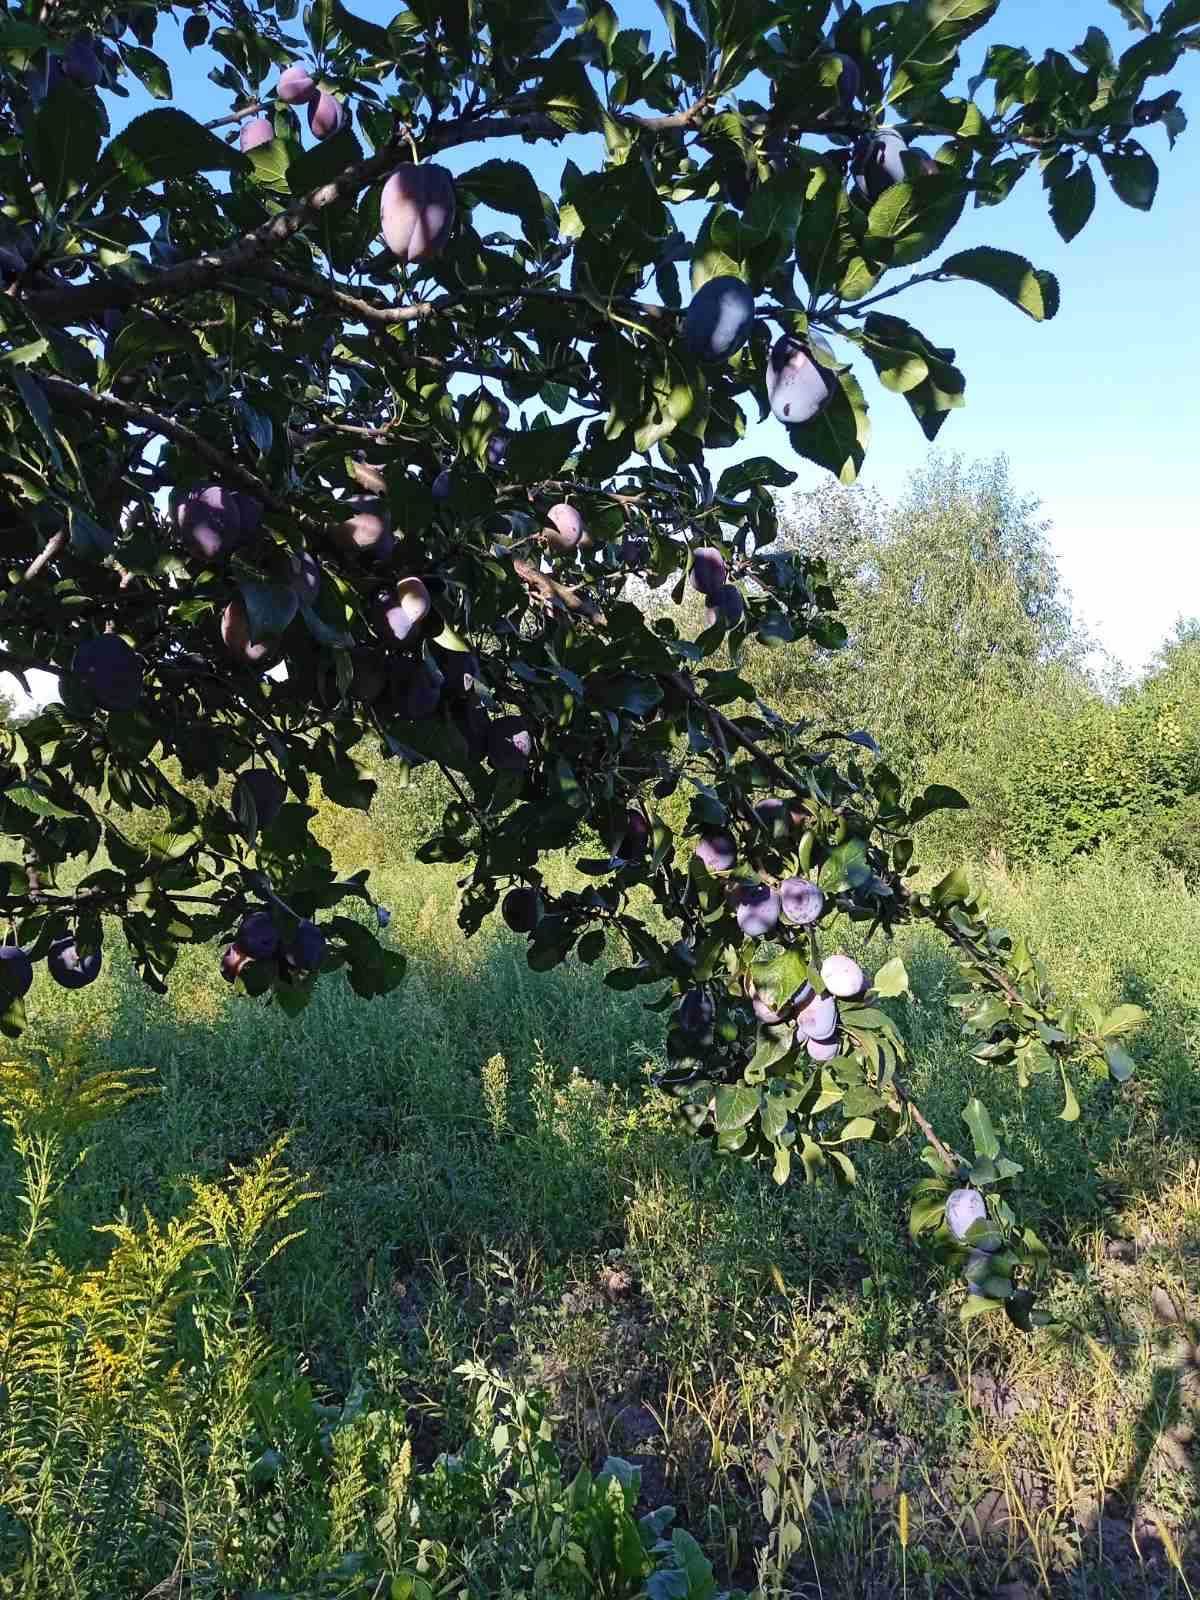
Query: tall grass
{"x": 490, "y": 1183}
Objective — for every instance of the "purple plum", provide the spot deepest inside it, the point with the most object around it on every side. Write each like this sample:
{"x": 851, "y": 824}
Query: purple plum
{"x": 719, "y": 319}
{"x": 798, "y": 386}
{"x": 325, "y": 115}
{"x": 843, "y": 976}
{"x": 708, "y": 570}
{"x": 407, "y": 607}
{"x": 111, "y": 670}
{"x": 802, "y": 901}
{"x": 696, "y": 1013}
{"x": 69, "y": 967}
{"x": 718, "y": 851}
{"x": 510, "y": 744}
{"x": 521, "y": 909}
{"x": 566, "y": 528}
{"x": 416, "y": 211}
{"x": 296, "y": 86}
{"x": 257, "y": 937}
{"x": 818, "y": 1019}
{"x": 878, "y": 163}
{"x": 16, "y": 973}
{"x": 823, "y": 1049}
{"x": 757, "y": 909}
{"x": 964, "y": 1208}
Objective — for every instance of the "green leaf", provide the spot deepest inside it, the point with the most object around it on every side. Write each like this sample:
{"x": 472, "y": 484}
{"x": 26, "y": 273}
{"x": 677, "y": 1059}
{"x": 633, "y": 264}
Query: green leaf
{"x": 270, "y": 607}
{"x": 1179, "y": 14}
{"x": 975, "y": 1305}
{"x": 138, "y": 341}
{"x": 952, "y": 889}
{"x": 1070, "y": 1110}
{"x": 891, "y": 980}
{"x": 837, "y": 437}
{"x": 65, "y": 141}
{"x": 1134, "y": 13}
{"x": 1120, "y": 1063}
{"x": 323, "y": 162}
{"x": 1134, "y": 178}
{"x": 271, "y": 163}
{"x": 975, "y": 1115}
{"x": 1010, "y": 275}
{"x": 152, "y": 70}
{"x": 937, "y": 797}
{"x": 915, "y": 217}
{"x": 538, "y": 453}
{"x": 736, "y": 1105}
{"x": 507, "y": 186}
{"x": 88, "y": 538}
{"x": 38, "y": 407}
{"x": 166, "y": 143}
{"x": 1072, "y": 202}
{"x": 761, "y": 469}
{"x": 1124, "y": 1019}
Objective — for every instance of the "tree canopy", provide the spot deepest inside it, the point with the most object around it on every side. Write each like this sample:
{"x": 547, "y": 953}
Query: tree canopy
{"x": 271, "y": 485}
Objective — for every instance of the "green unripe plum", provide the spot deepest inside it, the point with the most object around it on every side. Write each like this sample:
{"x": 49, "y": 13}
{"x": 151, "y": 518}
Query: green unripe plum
{"x": 416, "y": 211}
{"x": 798, "y": 387}
{"x": 325, "y": 115}
{"x": 719, "y": 319}
{"x": 296, "y": 86}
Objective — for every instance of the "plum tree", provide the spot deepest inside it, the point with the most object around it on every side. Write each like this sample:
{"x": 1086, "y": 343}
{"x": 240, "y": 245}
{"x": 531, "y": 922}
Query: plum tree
{"x": 237, "y": 428}
{"x": 416, "y": 211}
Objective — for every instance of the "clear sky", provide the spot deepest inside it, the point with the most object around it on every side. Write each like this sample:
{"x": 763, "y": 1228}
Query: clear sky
{"x": 1096, "y": 411}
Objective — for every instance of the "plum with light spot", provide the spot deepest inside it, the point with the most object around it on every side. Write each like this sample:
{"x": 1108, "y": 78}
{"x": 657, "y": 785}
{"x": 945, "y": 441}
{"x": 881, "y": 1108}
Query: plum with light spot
{"x": 416, "y": 211}
{"x": 772, "y": 813}
{"x": 798, "y": 386}
{"x": 510, "y": 744}
{"x": 708, "y": 570}
{"x": 460, "y": 669}
{"x": 823, "y": 1049}
{"x": 718, "y": 851}
{"x": 719, "y": 319}
{"x": 367, "y": 532}
{"x": 696, "y": 1013}
{"x": 878, "y": 163}
{"x": 70, "y": 967}
{"x": 443, "y": 486}
{"x": 235, "y": 635}
{"x": 405, "y": 609}
{"x": 964, "y": 1208}
{"x": 566, "y": 528}
{"x": 265, "y": 789}
{"x": 756, "y": 907}
{"x": 16, "y": 973}
{"x": 233, "y": 961}
{"x": 258, "y": 131}
{"x": 802, "y": 901}
{"x": 325, "y": 115}
{"x": 306, "y": 949}
{"x": 843, "y": 976}
{"x": 521, "y": 910}
{"x": 210, "y": 522}
{"x": 257, "y": 937}
{"x": 818, "y": 1019}
{"x": 111, "y": 669}
{"x": 296, "y": 86}
{"x": 727, "y": 607}
{"x": 497, "y": 448}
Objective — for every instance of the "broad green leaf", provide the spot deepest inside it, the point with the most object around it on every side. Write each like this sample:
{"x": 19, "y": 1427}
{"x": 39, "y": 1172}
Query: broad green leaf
{"x": 1070, "y": 1110}
{"x": 140, "y": 339}
{"x": 65, "y": 141}
{"x": 736, "y": 1105}
{"x": 1179, "y": 14}
{"x": 975, "y": 1115}
{"x": 1134, "y": 178}
{"x": 891, "y": 980}
{"x": 915, "y": 217}
{"x": 270, "y": 607}
{"x": 151, "y": 69}
{"x": 323, "y": 162}
{"x": 508, "y": 186}
{"x": 837, "y": 437}
{"x": 166, "y": 143}
{"x": 88, "y": 538}
{"x": 975, "y": 1305}
{"x": 952, "y": 889}
{"x": 1010, "y": 275}
{"x": 748, "y": 473}
{"x": 1122, "y": 1020}
{"x": 1134, "y": 13}
{"x": 1072, "y": 202}
{"x": 1120, "y": 1063}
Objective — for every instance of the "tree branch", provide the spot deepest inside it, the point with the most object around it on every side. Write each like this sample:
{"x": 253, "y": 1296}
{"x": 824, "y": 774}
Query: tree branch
{"x": 53, "y": 546}
{"x": 79, "y": 302}
{"x": 899, "y": 288}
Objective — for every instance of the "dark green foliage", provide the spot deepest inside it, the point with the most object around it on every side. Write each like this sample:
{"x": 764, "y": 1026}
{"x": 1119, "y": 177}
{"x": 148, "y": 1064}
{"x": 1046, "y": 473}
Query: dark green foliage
{"x": 545, "y": 357}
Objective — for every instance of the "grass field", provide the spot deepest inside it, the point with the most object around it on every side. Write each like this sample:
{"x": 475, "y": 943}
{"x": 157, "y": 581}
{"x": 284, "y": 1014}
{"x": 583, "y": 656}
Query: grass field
{"x": 505, "y": 1240}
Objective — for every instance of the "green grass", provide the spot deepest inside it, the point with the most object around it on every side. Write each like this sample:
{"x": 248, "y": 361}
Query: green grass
{"x": 497, "y": 1184}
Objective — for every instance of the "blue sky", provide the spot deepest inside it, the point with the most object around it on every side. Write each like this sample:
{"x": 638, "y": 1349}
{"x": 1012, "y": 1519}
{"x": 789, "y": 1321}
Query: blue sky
{"x": 1096, "y": 411}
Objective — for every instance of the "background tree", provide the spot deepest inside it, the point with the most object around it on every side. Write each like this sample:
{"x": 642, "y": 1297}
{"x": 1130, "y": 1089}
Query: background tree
{"x": 271, "y": 486}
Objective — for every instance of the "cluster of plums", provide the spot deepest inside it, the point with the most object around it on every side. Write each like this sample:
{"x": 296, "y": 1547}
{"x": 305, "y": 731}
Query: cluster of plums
{"x": 258, "y": 939}
{"x": 759, "y": 907}
{"x": 710, "y": 578}
{"x": 813, "y": 1018}
{"x": 66, "y": 963}
{"x": 297, "y": 87}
